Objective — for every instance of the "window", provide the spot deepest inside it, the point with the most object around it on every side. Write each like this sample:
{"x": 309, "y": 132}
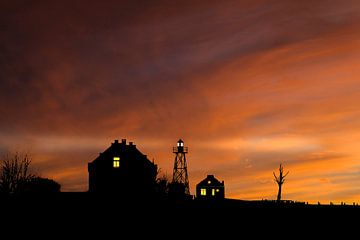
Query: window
{"x": 209, "y": 182}
{"x": 116, "y": 162}
{"x": 213, "y": 192}
{"x": 203, "y": 192}
{"x": 217, "y": 190}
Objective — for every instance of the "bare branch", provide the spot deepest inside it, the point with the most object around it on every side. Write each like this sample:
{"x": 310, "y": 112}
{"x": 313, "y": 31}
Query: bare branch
{"x": 14, "y": 170}
{"x": 276, "y": 178}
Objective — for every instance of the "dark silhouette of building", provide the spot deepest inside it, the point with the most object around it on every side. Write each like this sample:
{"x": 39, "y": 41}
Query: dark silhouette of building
{"x": 122, "y": 169}
{"x": 179, "y": 186}
{"x": 210, "y": 188}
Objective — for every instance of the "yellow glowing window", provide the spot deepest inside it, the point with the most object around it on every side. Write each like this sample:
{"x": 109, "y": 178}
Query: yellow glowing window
{"x": 209, "y": 182}
{"x": 213, "y": 192}
{"x": 203, "y": 192}
{"x": 116, "y": 162}
{"x": 217, "y": 190}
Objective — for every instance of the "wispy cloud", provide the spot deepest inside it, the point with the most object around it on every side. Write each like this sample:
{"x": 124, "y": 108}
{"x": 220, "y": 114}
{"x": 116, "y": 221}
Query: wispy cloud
{"x": 247, "y": 84}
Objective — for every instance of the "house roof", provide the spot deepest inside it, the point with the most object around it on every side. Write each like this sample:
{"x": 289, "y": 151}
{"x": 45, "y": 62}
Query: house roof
{"x": 210, "y": 180}
{"x": 121, "y": 147}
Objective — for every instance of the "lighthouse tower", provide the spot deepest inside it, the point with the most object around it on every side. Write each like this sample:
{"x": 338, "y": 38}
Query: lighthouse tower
{"x": 180, "y": 174}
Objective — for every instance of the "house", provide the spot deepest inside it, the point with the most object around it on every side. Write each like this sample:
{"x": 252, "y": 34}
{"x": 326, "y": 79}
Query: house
{"x": 210, "y": 189}
{"x": 122, "y": 169}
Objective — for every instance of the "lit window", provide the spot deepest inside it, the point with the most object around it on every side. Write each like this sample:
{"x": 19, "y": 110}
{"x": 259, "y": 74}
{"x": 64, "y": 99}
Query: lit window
{"x": 181, "y": 144}
{"x": 217, "y": 190}
{"x": 203, "y": 192}
{"x": 116, "y": 162}
{"x": 209, "y": 182}
{"x": 213, "y": 192}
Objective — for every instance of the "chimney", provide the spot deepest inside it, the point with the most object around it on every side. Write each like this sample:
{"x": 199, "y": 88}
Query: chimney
{"x": 116, "y": 141}
{"x": 131, "y": 143}
{"x": 123, "y": 141}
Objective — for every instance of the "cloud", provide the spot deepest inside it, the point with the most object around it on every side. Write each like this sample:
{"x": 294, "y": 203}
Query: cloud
{"x": 246, "y": 84}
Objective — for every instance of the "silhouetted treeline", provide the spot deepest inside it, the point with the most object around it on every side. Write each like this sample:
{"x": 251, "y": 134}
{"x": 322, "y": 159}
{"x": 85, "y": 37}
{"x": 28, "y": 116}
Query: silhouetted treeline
{"x": 16, "y": 178}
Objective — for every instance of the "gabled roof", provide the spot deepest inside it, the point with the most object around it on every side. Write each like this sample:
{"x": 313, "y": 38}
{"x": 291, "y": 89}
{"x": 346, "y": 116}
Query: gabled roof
{"x": 121, "y": 147}
{"x": 210, "y": 180}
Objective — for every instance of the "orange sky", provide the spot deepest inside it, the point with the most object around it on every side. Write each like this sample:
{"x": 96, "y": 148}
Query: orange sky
{"x": 246, "y": 84}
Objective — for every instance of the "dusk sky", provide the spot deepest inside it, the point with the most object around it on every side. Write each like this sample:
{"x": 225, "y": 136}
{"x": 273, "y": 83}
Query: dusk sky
{"x": 247, "y": 85}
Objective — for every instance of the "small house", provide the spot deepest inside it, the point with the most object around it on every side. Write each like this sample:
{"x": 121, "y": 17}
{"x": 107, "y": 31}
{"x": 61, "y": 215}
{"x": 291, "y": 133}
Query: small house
{"x": 210, "y": 189}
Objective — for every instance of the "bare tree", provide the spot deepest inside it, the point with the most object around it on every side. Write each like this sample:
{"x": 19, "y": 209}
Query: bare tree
{"x": 280, "y": 180}
{"x": 162, "y": 182}
{"x": 14, "y": 170}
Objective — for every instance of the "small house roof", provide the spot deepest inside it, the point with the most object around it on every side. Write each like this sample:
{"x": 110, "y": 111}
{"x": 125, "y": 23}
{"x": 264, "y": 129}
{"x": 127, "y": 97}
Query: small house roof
{"x": 210, "y": 180}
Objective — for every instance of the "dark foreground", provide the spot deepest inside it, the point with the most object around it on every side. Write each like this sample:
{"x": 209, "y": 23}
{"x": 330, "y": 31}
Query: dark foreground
{"x": 91, "y": 214}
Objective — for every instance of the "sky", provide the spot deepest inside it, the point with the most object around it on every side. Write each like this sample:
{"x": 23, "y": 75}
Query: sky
{"x": 246, "y": 84}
